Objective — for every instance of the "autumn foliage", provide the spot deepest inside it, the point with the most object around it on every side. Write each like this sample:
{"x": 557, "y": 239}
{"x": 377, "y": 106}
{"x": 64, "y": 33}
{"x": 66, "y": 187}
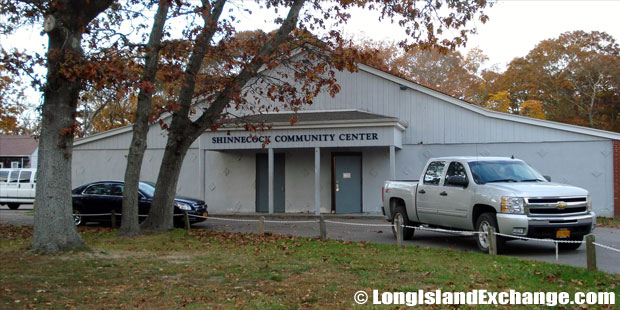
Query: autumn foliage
{"x": 574, "y": 78}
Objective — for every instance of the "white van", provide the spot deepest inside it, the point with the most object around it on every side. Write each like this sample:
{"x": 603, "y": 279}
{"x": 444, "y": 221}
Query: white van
{"x": 17, "y": 186}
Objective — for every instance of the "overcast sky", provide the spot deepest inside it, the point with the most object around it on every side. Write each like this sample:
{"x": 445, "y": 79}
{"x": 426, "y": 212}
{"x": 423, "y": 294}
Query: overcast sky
{"x": 514, "y": 27}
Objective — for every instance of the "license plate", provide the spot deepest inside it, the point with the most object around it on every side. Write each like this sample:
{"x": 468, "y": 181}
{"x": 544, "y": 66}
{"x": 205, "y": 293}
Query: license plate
{"x": 562, "y": 233}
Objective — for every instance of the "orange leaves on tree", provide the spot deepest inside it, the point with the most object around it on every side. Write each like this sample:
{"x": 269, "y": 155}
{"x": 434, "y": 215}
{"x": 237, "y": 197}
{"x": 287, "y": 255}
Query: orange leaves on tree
{"x": 499, "y": 102}
{"x": 533, "y": 108}
{"x": 146, "y": 86}
{"x": 574, "y": 78}
{"x": 162, "y": 124}
{"x": 434, "y": 67}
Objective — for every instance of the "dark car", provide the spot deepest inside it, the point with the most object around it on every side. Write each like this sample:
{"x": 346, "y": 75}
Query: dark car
{"x": 92, "y": 200}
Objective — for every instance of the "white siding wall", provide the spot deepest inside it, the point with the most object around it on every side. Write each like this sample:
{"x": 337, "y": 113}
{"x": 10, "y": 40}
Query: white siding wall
{"x": 375, "y": 170}
{"x": 436, "y": 128}
{"x": 104, "y": 164}
{"x": 230, "y": 181}
{"x": 431, "y": 120}
{"x": 156, "y": 139}
{"x": 585, "y": 164}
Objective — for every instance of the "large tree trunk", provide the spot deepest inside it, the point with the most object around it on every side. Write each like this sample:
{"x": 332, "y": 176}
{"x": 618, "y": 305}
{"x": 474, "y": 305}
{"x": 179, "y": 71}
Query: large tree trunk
{"x": 130, "y": 220}
{"x": 54, "y": 228}
{"x": 183, "y": 132}
{"x": 161, "y": 214}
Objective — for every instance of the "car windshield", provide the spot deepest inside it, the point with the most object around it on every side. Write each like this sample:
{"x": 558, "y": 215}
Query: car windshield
{"x": 147, "y": 188}
{"x": 503, "y": 171}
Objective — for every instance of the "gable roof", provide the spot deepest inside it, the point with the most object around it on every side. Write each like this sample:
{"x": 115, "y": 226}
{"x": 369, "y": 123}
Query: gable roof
{"x": 17, "y": 145}
{"x": 489, "y": 113}
{"x": 415, "y": 86}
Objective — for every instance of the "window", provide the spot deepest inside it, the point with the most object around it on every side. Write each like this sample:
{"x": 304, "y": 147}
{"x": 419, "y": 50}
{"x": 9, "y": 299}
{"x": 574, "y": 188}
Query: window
{"x": 4, "y": 176}
{"x": 116, "y": 189}
{"x": 433, "y": 173}
{"x": 14, "y": 164}
{"x": 13, "y": 176}
{"x": 98, "y": 189}
{"x": 456, "y": 169}
{"x": 24, "y": 177}
{"x": 1, "y": 165}
{"x": 147, "y": 188}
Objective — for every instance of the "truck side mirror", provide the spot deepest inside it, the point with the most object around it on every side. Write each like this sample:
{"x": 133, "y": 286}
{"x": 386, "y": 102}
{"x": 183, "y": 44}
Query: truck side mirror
{"x": 548, "y": 178}
{"x": 457, "y": 180}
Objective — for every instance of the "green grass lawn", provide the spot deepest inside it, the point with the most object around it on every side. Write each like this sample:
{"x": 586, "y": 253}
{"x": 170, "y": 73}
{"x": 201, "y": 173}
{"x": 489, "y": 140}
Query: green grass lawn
{"x": 215, "y": 270}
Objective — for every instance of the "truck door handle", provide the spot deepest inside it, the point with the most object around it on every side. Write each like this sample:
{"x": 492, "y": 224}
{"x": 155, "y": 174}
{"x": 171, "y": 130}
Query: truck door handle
{"x": 422, "y": 191}
{"x": 443, "y": 194}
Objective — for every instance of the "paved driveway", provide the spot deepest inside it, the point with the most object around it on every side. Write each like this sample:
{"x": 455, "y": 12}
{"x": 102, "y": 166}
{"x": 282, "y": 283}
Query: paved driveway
{"x": 606, "y": 259}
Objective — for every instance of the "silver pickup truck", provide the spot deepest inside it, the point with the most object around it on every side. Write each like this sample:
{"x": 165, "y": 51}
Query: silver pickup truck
{"x": 471, "y": 193}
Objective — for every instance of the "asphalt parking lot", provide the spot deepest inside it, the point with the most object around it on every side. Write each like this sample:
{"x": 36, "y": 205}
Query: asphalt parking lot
{"x": 606, "y": 260}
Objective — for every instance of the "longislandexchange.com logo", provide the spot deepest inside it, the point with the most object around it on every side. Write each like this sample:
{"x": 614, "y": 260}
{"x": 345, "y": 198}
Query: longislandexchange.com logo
{"x": 484, "y": 297}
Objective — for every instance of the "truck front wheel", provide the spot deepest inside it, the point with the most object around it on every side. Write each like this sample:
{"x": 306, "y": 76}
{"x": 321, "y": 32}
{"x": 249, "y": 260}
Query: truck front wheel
{"x": 401, "y": 214}
{"x": 485, "y": 221}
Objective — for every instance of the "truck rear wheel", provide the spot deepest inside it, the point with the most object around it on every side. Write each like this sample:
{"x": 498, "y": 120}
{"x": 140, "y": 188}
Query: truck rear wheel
{"x": 401, "y": 214}
{"x": 485, "y": 220}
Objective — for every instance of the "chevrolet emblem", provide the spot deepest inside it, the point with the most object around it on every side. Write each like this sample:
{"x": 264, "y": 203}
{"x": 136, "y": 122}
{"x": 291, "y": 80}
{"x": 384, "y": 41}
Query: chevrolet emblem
{"x": 561, "y": 205}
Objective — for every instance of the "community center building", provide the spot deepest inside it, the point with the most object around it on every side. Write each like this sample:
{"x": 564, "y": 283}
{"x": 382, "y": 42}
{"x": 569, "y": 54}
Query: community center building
{"x": 337, "y": 155}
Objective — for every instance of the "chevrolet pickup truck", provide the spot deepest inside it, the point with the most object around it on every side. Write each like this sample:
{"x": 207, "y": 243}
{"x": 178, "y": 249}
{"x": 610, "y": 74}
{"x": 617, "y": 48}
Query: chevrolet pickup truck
{"x": 473, "y": 193}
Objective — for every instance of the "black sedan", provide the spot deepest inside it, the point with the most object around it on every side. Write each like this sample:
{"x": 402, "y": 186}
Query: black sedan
{"x": 92, "y": 200}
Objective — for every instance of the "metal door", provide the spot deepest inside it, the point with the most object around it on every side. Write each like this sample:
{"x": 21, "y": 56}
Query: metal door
{"x": 262, "y": 183}
{"x": 347, "y": 183}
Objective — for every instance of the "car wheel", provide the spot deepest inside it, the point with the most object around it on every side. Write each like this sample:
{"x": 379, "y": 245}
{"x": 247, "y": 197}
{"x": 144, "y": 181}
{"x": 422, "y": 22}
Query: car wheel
{"x": 401, "y": 215}
{"x": 483, "y": 223}
{"x": 13, "y": 206}
{"x": 570, "y": 246}
{"x": 77, "y": 218}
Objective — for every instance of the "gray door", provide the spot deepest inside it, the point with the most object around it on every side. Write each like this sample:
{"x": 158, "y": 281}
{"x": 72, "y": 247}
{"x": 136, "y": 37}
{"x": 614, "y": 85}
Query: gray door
{"x": 262, "y": 183}
{"x": 348, "y": 183}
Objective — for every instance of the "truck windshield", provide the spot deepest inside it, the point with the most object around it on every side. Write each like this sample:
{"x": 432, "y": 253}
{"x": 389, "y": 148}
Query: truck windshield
{"x": 503, "y": 171}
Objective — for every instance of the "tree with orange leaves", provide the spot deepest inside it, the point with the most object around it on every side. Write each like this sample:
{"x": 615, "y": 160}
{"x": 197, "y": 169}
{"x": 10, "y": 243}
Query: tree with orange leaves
{"x": 574, "y": 78}
{"x": 441, "y": 69}
{"x": 283, "y": 69}
{"x": 286, "y": 68}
